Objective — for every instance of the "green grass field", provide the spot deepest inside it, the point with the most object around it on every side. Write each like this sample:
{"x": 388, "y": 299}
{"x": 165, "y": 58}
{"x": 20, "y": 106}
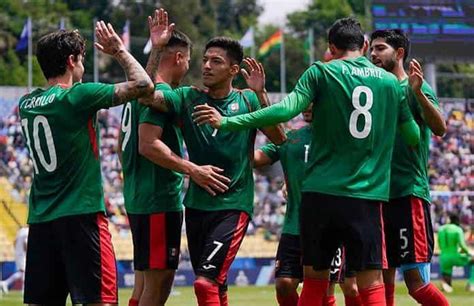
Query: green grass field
{"x": 264, "y": 296}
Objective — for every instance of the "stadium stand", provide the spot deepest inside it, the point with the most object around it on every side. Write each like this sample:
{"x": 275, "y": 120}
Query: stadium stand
{"x": 451, "y": 177}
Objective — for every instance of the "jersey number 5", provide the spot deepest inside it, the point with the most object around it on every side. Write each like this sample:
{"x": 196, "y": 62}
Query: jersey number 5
{"x": 53, "y": 160}
{"x": 361, "y": 111}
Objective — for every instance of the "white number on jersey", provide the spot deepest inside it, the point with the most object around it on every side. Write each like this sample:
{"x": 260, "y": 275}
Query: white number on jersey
{"x": 126, "y": 124}
{"x": 361, "y": 110}
{"x": 53, "y": 160}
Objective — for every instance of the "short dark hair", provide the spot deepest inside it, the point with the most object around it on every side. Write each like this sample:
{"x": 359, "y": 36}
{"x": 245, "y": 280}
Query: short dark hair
{"x": 53, "y": 50}
{"x": 179, "y": 39}
{"x": 234, "y": 49}
{"x": 454, "y": 218}
{"x": 346, "y": 34}
{"x": 396, "y": 38}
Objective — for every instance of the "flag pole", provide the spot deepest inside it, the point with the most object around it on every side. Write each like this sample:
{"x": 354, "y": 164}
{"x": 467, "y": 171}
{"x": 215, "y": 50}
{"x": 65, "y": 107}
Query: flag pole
{"x": 95, "y": 53}
{"x": 30, "y": 55}
{"x": 282, "y": 65}
{"x": 253, "y": 50}
{"x": 311, "y": 45}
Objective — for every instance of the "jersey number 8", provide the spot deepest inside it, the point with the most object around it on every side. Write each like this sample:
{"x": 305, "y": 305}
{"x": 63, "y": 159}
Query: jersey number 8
{"x": 53, "y": 161}
{"x": 361, "y": 110}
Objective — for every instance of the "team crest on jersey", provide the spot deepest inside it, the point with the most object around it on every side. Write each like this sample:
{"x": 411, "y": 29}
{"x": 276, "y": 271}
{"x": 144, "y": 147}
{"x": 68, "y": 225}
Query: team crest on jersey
{"x": 234, "y": 107}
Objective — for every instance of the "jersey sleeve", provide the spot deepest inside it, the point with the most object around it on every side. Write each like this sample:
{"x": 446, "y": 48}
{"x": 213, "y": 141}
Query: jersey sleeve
{"x": 272, "y": 151}
{"x": 174, "y": 99}
{"x": 147, "y": 115}
{"x": 409, "y": 130}
{"x": 462, "y": 242}
{"x": 91, "y": 97}
{"x": 296, "y": 102}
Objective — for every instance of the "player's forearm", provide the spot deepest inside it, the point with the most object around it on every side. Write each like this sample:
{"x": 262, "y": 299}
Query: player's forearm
{"x": 138, "y": 83}
{"x": 157, "y": 102}
{"x": 260, "y": 159}
{"x": 153, "y": 63}
{"x": 410, "y": 132}
{"x": 431, "y": 114}
{"x": 159, "y": 153}
{"x": 288, "y": 108}
{"x": 276, "y": 133}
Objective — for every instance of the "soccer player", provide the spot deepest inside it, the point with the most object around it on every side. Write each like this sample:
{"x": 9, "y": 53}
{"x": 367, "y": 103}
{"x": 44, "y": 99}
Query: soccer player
{"x": 21, "y": 242}
{"x": 152, "y": 165}
{"x": 407, "y": 219}
{"x": 293, "y": 154}
{"x": 450, "y": 241}
{"x": 216, "y": 225}
{"x": 69, "y": 245}
{"x": 358, "y": 110}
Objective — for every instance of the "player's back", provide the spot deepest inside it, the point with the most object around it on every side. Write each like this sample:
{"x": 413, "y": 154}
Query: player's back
{"x": 449, "y": 238}
{"x": 60, "y": 129}
{"x": 354, "y": 126}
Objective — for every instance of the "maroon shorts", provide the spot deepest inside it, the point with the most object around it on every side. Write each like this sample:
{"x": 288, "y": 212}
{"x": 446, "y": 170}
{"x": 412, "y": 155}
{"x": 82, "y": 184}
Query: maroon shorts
{"x": 156, "y": 240}
{"x": 71, "y": 255}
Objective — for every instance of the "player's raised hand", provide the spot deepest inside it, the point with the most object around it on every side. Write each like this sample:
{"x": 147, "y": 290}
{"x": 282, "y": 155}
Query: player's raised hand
{"x": 415, "y": 75}
{"x": 107, "y": 40}
{"x": 207, "y": 114}
{"x": 210, "y": 178}
{"x": 254, "y": 74}
{"x": 160, "y": 30}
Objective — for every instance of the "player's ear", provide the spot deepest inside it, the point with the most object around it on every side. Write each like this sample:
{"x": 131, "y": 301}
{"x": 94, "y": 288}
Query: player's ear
{"x": 71, "y": 61}
{"x": 365, "y": 47}
{"x": 333, "y": 50}
{"x": 235, "y": 69}
{"x": 400, "y": 53}
{"x": 178, "y": 57}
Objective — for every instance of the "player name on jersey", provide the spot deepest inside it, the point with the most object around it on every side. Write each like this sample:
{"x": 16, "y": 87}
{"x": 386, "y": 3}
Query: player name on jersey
{"x": 363, "y": 72}
{"x": 38, "y": 101}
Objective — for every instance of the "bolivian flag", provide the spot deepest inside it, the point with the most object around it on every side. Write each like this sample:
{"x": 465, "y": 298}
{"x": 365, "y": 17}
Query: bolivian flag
{"x": 274, "y": 42}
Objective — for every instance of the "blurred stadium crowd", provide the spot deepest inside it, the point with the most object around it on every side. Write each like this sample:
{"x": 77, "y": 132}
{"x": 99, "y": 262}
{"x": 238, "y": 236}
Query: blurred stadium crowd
{"x": 451, "y": 169}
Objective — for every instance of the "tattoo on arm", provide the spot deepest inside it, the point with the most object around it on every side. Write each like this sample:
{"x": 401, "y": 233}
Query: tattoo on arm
{"x": 138, "y": 83}
{"x": 156, "y": 101}
{"x": 153, "y": 62}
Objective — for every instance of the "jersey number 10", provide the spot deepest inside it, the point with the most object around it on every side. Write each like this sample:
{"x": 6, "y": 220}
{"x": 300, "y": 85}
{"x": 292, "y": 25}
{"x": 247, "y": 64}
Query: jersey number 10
{"x": 361, "y": 111}
{"x": 53, "y": 160}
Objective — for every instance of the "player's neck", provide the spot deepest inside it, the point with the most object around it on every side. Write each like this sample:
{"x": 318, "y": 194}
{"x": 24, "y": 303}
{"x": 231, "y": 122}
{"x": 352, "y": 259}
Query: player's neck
{"x": 399, "y": 72}
{"x": 64, "y": 81}
{"x": 163, "y": 77}
{"x": 220, "y": 92}
{"x": 351, "y": 54}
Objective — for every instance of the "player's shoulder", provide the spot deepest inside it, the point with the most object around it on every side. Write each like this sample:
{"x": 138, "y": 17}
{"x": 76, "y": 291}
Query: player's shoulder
{"x": 163, "y": 86}
{"x": 247, "y": 92}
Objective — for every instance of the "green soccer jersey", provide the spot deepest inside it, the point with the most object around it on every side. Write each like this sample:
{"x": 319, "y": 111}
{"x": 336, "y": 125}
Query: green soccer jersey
{"x": 410, "y": 164}
{"x": 149, "y": 188}
{"x": 230, "y": 151}
{"x": 451, "y": 239}
{"x": 293, "y": 154}
{"x": 59, "y": 125}
{"x": 354, "y": 124}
